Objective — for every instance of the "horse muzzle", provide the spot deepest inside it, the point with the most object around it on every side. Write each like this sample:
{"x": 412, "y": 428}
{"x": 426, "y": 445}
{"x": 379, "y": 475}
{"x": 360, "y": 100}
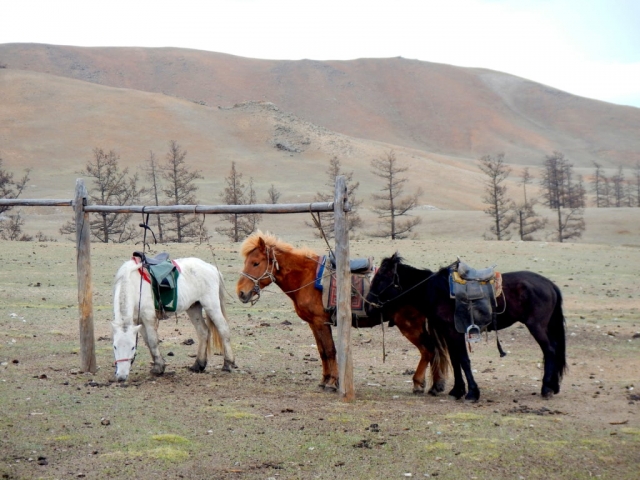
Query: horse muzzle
{"x": 245, "y": 297}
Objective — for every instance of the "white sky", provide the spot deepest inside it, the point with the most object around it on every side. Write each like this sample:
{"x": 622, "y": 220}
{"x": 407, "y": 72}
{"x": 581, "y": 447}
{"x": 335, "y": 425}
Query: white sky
{"x": 585, "y": 47}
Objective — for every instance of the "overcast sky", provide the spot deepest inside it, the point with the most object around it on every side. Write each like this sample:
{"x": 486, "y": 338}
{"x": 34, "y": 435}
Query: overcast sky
{"x": 585, "y": 47}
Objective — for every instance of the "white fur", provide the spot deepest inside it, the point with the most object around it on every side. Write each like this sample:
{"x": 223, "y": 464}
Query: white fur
{"x": 197, "y": 282}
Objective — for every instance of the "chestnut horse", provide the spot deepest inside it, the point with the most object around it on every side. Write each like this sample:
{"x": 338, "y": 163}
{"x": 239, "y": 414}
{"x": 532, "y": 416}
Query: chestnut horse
{"x": 269, "y": 260}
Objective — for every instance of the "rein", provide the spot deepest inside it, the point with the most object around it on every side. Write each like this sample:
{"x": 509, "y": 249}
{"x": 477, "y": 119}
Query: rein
{"x": 396, "y": 284}
{"x": 145, "y": 226}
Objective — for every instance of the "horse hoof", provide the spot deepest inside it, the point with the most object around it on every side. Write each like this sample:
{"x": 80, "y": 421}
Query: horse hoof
{"x": 457, "y": 394}
{"x": 547, "y": 392}
{"x": 227, "y": 366}
{"x": 418, "y": 390}
{"x": 330, "y": 388}
{"x": 471, "y": 398}
{"x": 437, "y": 387}
{"x": 198, "y": 367}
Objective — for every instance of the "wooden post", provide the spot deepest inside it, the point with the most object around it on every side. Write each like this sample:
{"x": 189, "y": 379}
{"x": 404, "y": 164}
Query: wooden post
{"x": 343, "y": 278}
{"x": 85, "y": 289}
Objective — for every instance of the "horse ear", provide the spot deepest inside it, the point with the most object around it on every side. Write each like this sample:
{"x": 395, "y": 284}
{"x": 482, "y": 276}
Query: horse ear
{"x": 136, "y": 329}
{"x": 261, "y": 244}
{"x": 395, "y": 256}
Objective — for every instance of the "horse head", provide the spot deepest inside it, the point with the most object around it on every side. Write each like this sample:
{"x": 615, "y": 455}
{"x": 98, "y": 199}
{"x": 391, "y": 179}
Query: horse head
{"x": 258, "y": 270}
{"x": 125, "y": 342}
{"x": 384, "y": 286}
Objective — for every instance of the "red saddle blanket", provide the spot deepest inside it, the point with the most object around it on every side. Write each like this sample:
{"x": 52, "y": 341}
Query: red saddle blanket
{"x": 360, "y": 284}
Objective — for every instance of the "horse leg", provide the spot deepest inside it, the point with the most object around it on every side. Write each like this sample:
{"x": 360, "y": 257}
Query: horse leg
{"x": 465, "y": 362}
{"x": 460, "y": 361}
{"x": 327, "y": 350}
{"x": 551, "y": 377}
{"x": 195, "y": 315}
{"x": 410, "y": 326}
{"x": 150, "y": 336}
{"x": 218, "y": 320}
{"x": 439, "y": 366}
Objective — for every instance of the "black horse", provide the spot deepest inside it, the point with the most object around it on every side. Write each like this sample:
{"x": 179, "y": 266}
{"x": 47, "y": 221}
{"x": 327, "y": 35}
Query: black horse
{"x": 530, "y": 298}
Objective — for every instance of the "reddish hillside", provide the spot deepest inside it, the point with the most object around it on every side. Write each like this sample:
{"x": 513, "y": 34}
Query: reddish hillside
{"x": 418, "y": 105}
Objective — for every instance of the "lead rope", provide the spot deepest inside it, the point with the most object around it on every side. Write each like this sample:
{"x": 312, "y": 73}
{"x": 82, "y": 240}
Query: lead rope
{"x": 495, "y": 325}
{"x": 384, "y": 351}
{"x": 318, "y": 222}
{"x": 145, "y": 226}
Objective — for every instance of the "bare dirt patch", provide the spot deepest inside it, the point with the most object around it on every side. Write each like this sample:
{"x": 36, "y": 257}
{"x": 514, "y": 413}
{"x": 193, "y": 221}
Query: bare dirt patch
{"x": 268, "y": 419}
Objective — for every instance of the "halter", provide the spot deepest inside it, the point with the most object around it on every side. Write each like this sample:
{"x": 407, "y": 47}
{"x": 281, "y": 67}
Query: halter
{"x": 130, "y": 359}
{"x": 272, "y": 263}
{"x": 396, "y": 284}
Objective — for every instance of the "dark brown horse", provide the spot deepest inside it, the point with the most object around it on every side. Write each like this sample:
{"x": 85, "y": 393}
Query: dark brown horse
{"x": 269, "y": 260}
{"x": 530, "y": 298}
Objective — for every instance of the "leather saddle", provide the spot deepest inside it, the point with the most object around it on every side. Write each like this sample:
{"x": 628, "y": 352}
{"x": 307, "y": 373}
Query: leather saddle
{"x": 356, "y": 265}
{"x": 475, "y": 297}
{"x": 469, "y": 273}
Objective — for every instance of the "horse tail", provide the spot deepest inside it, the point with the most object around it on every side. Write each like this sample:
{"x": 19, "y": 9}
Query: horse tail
{"x": 440, "y": 364}
{"x": 215, "y": 345}
{"x": 557, "y": 334}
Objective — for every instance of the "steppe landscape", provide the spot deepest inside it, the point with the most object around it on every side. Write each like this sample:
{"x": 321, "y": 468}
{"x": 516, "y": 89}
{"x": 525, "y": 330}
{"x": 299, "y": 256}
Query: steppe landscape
{"x": 281, "y": 122}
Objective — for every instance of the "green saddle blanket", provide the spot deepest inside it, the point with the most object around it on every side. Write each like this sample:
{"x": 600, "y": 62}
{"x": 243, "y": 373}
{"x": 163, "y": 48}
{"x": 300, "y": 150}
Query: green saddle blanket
{"x": 164, "y": 284}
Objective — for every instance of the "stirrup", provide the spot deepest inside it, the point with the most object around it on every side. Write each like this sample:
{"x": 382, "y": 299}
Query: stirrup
{"x": 473, "y": 334}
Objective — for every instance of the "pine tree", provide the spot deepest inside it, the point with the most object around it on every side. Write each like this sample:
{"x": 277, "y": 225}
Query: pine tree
{"x": 111, "y": 186}
{"x": 564, "y": 196}
{"x": 500, "y": 207}
{"x": 179, "y": 189}
{"x": 236, "y": 193}
{"x": 391, "y": 206}
{"x": 326, "y": 218}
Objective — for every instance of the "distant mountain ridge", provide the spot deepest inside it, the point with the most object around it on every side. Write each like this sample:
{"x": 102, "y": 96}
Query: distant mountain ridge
{"x": 425, "y": 107}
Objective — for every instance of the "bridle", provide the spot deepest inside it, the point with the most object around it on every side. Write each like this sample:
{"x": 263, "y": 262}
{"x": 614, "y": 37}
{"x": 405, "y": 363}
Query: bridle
{"x": 130, "y": 359}
{"x": 272, "y": 265}
{"x": 396, "y": 284}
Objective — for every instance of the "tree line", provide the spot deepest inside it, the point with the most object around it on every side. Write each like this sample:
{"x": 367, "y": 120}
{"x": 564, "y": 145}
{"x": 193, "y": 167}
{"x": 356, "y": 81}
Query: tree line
{"x": 172, "y": 181}
{"x": 563, "y": 191}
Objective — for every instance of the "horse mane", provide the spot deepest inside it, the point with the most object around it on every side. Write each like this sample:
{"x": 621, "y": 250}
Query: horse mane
{"x": 401, "y": 261}
{"x": 121, "y": 282}
{"x": 252, "y": 241}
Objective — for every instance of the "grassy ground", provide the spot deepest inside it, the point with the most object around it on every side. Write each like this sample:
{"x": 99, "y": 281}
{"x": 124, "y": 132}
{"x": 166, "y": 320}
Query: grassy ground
{"x": 268, "y": 419}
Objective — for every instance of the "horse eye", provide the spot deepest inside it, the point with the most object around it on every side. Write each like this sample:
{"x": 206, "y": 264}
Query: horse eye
{"x": 115, "y": 348}
{"x": 255, "y": 264}
{"x": 133, "y": 348}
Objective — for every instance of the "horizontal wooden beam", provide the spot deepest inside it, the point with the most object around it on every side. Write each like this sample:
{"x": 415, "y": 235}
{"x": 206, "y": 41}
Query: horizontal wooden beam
{"x": 223, "y": 209}
{"x": 195, "y": 209}
{"x": 14, "y": 202}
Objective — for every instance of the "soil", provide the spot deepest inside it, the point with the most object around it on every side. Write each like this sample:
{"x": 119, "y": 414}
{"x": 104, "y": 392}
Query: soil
{"x": 269, "y": 420}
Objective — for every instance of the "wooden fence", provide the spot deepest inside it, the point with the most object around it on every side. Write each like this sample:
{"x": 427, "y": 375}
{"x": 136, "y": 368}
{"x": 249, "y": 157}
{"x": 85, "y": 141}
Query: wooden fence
{"x": 340, "y": 207}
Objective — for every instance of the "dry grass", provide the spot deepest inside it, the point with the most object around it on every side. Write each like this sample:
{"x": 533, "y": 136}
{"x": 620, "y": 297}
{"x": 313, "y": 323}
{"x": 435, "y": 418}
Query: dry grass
{"x": 268, "y": 419}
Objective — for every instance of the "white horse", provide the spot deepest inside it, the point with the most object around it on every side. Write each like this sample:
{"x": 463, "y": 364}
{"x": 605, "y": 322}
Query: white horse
{"x": 199, "y": 286}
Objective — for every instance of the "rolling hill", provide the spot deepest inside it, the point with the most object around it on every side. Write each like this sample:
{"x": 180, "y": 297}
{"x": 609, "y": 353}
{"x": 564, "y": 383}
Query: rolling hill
{"x": 281, "y": 121}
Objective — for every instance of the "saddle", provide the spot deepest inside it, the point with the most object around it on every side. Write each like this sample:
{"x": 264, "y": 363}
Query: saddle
{"x": 362, "y": 272}
{"x": 475, "y": 293}
{"x": 356, "y": 265}
{"x": 162, "y": 274}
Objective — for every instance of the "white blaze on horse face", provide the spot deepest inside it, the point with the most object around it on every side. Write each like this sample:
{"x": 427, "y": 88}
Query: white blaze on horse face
{"x": 124, "y": 349}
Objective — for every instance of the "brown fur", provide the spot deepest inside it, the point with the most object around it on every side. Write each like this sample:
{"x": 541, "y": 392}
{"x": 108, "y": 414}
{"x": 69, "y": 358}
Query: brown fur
{"x": 295, "y": 275}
